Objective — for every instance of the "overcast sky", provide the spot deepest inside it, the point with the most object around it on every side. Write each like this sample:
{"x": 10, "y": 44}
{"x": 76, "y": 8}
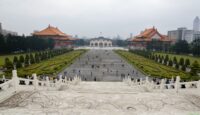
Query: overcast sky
{"x": 90, "y": 17}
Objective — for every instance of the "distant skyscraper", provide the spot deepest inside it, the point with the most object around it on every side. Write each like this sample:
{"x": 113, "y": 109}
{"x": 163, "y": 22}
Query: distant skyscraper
{"x": 1, "y": 28}
{"x": 181, "y": 34}
{"x": 196, "y": 24}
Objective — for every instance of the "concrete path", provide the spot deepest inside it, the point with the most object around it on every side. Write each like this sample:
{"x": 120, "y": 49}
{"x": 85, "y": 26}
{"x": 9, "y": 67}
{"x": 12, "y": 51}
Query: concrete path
{"x": 101, "y": 65}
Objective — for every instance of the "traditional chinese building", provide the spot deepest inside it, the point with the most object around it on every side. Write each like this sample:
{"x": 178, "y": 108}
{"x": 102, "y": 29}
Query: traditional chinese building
{"x": 150, "y": 38}
{"x": 62, "y": 40}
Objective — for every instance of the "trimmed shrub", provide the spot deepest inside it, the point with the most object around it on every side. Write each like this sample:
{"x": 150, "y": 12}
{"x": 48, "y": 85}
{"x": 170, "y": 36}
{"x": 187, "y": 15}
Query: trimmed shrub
{"x": 27, "y": 58}
{"x": 174, "y": 60}
{"x": 8, "y": 64}
{"x": 187, "y": 62}
{"x": 183, "y": 67}
{"x": 181, "y": 62}
{"x": 32, "y": 59}
{"x": 195, "y": 68}
{"x": 170, "y": 63}
{"x": 21, "y": 59}
{"x": 177, "y": 66}
{"x": 15, "y": 60}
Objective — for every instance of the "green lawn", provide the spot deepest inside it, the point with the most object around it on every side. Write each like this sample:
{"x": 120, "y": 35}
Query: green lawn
{"x": 51, "y": 66}
{"x": 149, "y": 67}
{"x": 171, "y": 56}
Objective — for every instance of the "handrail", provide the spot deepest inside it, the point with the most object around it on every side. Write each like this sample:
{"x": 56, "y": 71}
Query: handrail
{"x": 162, "y": 84}
{"x": 5, "y": 83}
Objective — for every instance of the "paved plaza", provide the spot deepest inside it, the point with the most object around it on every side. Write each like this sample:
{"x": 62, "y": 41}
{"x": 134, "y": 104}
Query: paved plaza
{"x": 101, "y": 65}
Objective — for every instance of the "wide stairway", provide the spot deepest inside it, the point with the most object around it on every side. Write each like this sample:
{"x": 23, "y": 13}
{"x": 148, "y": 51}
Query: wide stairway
{"x": 100, "y": 98}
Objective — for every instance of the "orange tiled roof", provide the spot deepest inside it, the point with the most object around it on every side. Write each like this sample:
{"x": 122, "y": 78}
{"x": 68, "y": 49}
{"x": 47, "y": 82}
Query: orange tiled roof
{"x": 53, "y": 31}
{"x": 148, "y": 34}
{"x": 50, "y": 31}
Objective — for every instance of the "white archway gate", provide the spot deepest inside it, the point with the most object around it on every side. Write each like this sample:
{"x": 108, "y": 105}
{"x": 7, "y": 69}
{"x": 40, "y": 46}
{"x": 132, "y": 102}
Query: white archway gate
{"x": 101, "y": 42}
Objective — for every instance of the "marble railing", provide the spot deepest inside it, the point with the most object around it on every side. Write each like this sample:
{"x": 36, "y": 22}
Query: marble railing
{"x": 162, "y": 85}
{"x": 15, "y": 84}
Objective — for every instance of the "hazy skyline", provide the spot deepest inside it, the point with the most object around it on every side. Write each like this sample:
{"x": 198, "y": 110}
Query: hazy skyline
{"x": 90, "y": 17}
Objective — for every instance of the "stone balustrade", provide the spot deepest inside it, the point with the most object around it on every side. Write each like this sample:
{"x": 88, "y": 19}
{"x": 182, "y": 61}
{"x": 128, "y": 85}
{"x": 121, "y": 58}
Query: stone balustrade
{"x": 16, "y": 83}
{"x": 174, "y": 84}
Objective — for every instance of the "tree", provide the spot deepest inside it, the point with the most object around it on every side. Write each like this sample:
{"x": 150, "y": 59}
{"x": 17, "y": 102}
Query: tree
{"x": 195, "y": 68}
{"x": 196, "y": 47}
{"x": 8, "y": 64}
{"x": 15, "y": 60}
{"x": 166, "y": 59}
{"x": 21, "y": 59}
{"x": 27, "y": 60}
{"x": 181, "y": 62}
{"x": 19, "y": 64}
{"x": 183, "y": 67}
{"x": 32, "y": 59}
{"x": 177, "y": 66}
{"x": 174, "y": 60}
{"x": 37, "y": 59}
{"x": 162, "y": 59}
{"x": 182, "y": 46}
{"x": 2, "y": 44}
{"x": 40, "y": 55}
{"x": 187, "y": 62}
{"x": 156, "y": 58}
{"x": 11, "y": 43}
{"x": 170, "y": 63}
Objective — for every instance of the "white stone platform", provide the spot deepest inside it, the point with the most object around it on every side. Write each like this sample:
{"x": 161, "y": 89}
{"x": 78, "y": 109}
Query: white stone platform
{"x": 101, "y": 48}
{"x": 102, "y": 98}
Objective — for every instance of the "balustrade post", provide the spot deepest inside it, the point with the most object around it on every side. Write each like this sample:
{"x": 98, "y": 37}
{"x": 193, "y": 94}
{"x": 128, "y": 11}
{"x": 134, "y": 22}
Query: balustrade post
{"x": 65, "y": 79}
{"x": 57, "y": 83}
{"x": 3, "y": 78}
{"x": 177, "y": 84}
{"x": 198, "y": 85}
{"x": 60, "y": 78}
{"x": 172, "y": 80}
{"x": 147, "y": 80}
{"x": 187, "y": 85}
{"x": 15, "y": 80}
{"x": 162, "y": 85}
{"x": 152, "y": 84}
{"x": 136, "y": 82}
{"x": 140, "y": 81}
{"x": 47, "y": 81}
{"x": 35, "y": 81}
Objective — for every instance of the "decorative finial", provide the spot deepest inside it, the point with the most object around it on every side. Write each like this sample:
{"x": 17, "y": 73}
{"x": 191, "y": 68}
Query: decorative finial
{"x": 100, "y": 33}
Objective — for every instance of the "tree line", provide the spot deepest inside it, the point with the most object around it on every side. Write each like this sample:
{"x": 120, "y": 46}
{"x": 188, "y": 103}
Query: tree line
{"x": 183, "y": 47}
{"x": 12, "y": 44}
{"x": 32, "y": 58}
{"x": 180, "y": 47}
{"x": 181, "y": 64}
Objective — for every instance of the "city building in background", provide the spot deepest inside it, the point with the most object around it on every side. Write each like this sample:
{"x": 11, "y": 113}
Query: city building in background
{"x": 186, "y": 34}
{"x": 181, "y": 34}
{"x": 196, "y": 24}
{"x": 148, "y": 37}
{"x": 6, "y": 32}
{"x": 62, "y": 40}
